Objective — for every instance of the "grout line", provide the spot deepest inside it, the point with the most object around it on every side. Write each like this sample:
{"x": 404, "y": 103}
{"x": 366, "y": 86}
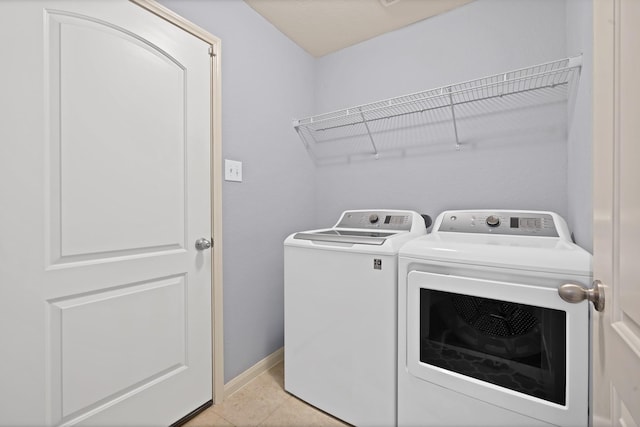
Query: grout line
{"x": 220, "y": 415}
{"x": 273, "y": 412}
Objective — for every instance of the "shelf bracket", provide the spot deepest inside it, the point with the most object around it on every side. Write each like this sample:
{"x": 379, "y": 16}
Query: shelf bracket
{"x": 453, "y": 115}
{"x": 303, "y": 138}
{"x": 373, "y": 144}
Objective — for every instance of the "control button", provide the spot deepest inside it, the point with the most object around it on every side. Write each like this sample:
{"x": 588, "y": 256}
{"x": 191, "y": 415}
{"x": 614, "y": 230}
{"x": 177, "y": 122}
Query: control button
{"x": 493, "y": 221}
{"x": 453, "y": 217}
{"x": 373, "y": 218}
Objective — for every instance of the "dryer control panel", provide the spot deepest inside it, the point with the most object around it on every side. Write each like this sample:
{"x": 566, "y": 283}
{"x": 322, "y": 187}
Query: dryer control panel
{"x": 516, "y": 223}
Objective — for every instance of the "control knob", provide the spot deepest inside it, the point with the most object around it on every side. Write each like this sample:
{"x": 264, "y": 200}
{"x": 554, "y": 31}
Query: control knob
{"x": 493, "y": 221}
{"x": 373, "y": 218}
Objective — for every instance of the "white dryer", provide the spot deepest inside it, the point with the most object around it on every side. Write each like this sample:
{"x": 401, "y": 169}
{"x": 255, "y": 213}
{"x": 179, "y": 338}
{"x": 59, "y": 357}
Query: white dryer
{"x": 484, "y": 337}
{"x": 340, "y": 289}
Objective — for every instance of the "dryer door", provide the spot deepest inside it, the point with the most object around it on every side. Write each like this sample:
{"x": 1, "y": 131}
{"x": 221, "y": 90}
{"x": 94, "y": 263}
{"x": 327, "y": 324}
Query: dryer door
{"x": 516, "y": 346}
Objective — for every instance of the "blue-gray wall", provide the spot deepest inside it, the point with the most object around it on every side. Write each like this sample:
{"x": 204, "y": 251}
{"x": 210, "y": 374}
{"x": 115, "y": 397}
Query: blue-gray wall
{"x": 267, "y": 80}
{"x": 514, "y": 160}
{"x": 522, "y": 159}
{"x": 580, "y": 40}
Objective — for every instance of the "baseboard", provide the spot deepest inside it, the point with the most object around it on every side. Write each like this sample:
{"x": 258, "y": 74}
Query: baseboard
{"x": 262, "y": 366}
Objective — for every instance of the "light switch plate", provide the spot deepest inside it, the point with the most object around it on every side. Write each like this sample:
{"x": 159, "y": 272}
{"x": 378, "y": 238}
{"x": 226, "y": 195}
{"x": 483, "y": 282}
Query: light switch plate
{"x": 232, "y": 170}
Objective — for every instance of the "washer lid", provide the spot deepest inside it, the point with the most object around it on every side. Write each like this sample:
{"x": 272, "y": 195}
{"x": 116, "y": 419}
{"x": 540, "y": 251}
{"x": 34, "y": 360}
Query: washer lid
{"x": 372, "y": 228}
{"x": 543, "y": 254}
{"x": 362, "y": 237}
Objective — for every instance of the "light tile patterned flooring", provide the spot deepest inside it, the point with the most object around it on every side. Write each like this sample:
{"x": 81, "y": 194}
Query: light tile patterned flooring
{"x": 263, "y": 402}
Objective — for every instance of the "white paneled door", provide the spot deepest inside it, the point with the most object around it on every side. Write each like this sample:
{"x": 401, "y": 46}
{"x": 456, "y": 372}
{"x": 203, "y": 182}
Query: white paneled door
{"x": 105, "y": 301}
{"x": 616, "y": 331}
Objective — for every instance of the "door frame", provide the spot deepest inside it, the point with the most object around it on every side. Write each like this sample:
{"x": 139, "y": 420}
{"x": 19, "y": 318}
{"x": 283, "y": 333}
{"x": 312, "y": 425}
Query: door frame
{"x": 216, "y": 184}
{"x": 603, "y": 195}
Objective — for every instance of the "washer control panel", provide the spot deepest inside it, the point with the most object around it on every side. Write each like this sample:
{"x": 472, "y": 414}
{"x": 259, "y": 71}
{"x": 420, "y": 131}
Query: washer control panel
{"x": 500, "y": 222}
{"x": 383, "y": 220}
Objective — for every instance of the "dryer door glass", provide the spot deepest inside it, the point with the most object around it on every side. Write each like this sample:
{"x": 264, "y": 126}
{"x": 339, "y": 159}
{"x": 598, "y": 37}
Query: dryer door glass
{"x": 516, "y": 346}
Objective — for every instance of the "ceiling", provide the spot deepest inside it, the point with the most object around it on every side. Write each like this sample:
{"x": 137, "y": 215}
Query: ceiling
{"x": 325, "y": 26}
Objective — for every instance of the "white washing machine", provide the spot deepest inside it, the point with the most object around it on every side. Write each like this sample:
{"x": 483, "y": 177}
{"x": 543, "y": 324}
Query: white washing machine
{"x": 340, "y": 289}
{"x": 484, "y": 339}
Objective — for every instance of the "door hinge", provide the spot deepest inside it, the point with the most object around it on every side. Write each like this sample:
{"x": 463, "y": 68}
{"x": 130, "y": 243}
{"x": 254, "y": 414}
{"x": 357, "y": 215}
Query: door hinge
{"x": 212, "y": 53}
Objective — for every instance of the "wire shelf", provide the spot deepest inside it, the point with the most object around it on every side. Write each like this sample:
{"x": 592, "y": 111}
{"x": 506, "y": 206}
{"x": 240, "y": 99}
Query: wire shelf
{"x": 552, "y": 78}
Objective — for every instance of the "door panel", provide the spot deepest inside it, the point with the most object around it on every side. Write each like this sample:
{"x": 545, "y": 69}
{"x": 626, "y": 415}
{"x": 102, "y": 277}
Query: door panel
{"x": 96, "y": 179}
{"x": 106, "y": 318}
{"x": 146, "y": 341}
{"x": 629, "y": 154}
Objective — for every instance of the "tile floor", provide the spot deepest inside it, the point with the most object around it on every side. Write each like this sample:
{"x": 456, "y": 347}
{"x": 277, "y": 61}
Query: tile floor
{"x": 263, "y": 402}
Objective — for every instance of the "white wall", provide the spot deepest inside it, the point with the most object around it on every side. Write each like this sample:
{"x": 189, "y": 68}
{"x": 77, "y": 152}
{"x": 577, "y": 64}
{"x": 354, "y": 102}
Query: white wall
{"x": 267, "y": 80}
{"x": 513, "y": 160}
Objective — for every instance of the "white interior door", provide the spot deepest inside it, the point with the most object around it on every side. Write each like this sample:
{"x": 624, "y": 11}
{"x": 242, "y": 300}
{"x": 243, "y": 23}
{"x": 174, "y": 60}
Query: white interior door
{"x": 616, "y": 331}
{"x": 105, "y": 312}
